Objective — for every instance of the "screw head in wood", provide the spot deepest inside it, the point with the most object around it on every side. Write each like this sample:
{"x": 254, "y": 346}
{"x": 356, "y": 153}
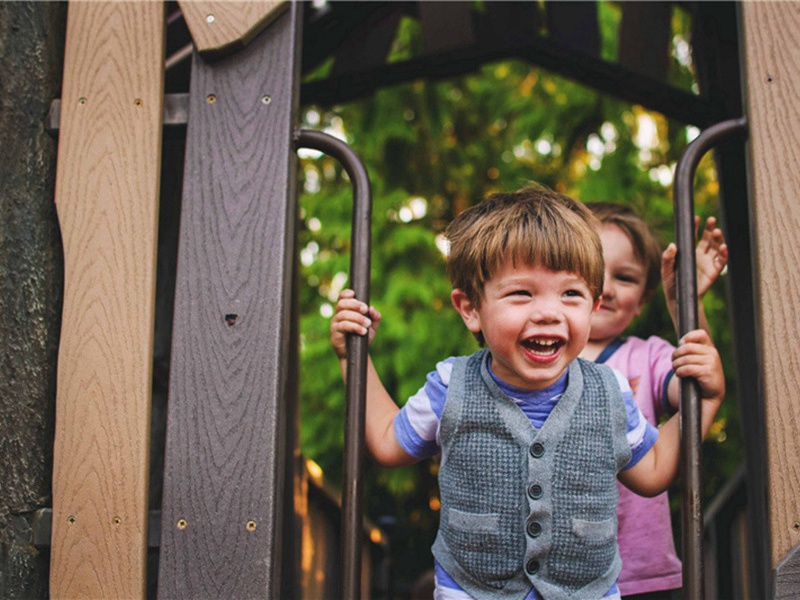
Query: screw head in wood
{"x": 71, "y": 519}
{"x": 210, "y": 18}
{"x": 251, "y": 525}
{"x": 182, "y": 524}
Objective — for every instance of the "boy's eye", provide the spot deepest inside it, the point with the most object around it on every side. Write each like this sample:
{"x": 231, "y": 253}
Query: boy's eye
{"x": 520, "y": 293}
{"x": 627, "y": 278}
{"x": 574, "y": 293}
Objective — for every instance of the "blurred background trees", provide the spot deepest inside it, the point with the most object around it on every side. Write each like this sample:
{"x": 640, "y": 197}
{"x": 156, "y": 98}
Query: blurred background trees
{"x": 433, "y": 149}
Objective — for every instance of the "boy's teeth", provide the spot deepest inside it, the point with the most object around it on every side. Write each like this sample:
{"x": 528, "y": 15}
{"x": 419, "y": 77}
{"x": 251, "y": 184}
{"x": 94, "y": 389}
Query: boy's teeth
{"x": 543, "y": 346}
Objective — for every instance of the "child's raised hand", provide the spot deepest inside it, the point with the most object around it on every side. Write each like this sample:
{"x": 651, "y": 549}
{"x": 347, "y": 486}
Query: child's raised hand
{"x": 711, "y": 256}
{"x": 352, "y": 316}
{"x": 697, "y": 357}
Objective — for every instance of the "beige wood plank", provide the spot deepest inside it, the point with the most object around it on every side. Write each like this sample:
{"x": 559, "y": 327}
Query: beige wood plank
{"x": 107, "y": 185}
{"x": 222, "y": 26}
{"x": 772, "y": 68}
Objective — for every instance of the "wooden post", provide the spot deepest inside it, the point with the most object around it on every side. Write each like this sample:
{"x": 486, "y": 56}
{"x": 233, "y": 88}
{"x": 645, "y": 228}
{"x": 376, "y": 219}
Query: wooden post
{"x": 230, "y": 381}
{"x": 107, "y": 185}
{"x": 772, "y": 79}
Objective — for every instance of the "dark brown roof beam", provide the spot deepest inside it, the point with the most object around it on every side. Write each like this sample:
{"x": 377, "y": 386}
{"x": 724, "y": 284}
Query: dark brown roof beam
{"x": 547, "y": 53}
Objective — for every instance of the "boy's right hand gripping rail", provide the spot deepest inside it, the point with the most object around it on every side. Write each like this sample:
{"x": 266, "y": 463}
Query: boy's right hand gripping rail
{"x": 357, "y": 346}
{"x": 691, "y": 434}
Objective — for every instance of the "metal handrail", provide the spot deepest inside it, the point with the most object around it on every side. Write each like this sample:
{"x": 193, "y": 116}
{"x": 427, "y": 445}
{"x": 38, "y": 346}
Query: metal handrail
{"x": 690, "y": 420}
{"x": 357, "y": 346}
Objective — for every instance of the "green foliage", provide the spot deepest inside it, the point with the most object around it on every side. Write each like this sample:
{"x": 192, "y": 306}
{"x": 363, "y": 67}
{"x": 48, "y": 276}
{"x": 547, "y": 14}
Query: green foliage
{"x": 434, "y": 149}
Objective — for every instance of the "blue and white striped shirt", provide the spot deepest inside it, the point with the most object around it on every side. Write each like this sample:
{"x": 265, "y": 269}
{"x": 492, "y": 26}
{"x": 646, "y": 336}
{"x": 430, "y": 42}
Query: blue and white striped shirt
{"x": 417, "y": 424}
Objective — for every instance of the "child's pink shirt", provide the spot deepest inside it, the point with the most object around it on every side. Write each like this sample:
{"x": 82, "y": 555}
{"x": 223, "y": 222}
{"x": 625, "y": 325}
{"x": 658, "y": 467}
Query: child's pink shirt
{"x": 649, "y": 562}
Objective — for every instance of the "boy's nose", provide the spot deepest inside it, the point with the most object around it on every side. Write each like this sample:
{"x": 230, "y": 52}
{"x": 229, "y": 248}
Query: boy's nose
{"x": 608, "y": 287}
{"x": 546, "y": 314}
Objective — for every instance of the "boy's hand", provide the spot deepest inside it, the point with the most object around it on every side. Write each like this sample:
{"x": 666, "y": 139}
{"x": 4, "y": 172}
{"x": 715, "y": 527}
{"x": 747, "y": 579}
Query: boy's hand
{"x": 352, "y": 316}
{"x": 697, "y": 357}
{"x": 711, "y": 257}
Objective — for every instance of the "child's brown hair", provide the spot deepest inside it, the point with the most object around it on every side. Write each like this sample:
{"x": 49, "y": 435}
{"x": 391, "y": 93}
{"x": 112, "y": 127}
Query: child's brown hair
{"x": 645, "y": 243}
{"x": 534, "y": 226}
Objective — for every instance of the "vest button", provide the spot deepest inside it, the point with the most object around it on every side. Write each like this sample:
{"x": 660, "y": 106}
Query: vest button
{"x": 532, "y": 567}
{"x": 537, "y": 449}
{"x": 534, "y": 529}
{"x": 535, "y": 491}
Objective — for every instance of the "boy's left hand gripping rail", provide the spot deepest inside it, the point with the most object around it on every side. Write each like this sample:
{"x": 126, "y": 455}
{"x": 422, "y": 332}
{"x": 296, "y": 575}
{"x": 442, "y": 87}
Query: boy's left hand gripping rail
{"x": 357, "y": 346}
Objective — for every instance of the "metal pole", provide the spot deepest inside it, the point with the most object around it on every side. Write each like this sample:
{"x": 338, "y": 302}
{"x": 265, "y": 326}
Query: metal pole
{"x": 353, "y": 492}
{"x": 691, "y": 434}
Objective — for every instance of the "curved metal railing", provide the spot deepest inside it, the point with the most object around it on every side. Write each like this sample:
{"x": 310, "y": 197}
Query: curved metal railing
{"x": 686, "y": 279}
{"x": 357, "y": 346}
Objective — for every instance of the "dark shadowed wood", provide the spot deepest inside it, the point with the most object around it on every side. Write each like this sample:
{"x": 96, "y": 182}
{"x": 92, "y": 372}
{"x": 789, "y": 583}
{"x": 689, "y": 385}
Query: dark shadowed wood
{"x": 368, "y": 45}
{"x": 716, "y": 56}
{"x": 575, "y": 25}
{"x": 224, "y": 468}
{"x": 502, "y": 24}
{"x": 446, "y": 25}
{"x": 107, "y": 200}
{"x": 644, "y": 37}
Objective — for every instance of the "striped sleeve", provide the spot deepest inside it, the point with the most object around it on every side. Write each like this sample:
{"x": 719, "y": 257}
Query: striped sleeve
{"x": 417, "y": 424}
{"x": 640, "y": 433}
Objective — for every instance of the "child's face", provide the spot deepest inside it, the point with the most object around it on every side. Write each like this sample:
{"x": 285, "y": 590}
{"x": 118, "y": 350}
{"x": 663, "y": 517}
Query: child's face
{"x": 623, "y": 287}
{"x": 535, "y": 322}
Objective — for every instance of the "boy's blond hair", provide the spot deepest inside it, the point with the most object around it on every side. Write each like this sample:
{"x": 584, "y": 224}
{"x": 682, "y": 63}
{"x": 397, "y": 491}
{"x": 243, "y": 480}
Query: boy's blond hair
{"x": 534, "y": 226}
{"x": 645, "y": 244}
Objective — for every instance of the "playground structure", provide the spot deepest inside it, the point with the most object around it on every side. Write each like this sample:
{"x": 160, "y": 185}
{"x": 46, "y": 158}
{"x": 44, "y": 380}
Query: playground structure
{"x": 241, "y": 111}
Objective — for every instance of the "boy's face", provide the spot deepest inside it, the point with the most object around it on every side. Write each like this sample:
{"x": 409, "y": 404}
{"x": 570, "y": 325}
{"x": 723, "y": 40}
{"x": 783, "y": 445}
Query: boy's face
{"x": 535, "y": 322}
{"x": 623, "y": 287}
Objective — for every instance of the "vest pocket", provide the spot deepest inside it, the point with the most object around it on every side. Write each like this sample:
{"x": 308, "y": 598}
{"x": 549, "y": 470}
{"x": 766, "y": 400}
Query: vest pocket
{"x": 474, "y": 522}
{"x": 476, "y": 544}
{"x": 594, "y": 533}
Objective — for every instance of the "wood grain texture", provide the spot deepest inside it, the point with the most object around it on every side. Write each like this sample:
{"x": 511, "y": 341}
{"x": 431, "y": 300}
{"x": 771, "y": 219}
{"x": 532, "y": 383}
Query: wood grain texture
{"x": 228, "y": 384}
{"x": 772, "y": 82}
{"x": 107, "y": 201}
{"x": 224, "y": 26}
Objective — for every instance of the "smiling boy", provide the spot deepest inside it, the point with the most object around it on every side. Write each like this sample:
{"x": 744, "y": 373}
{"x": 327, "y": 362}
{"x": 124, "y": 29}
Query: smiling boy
{"x": 532, "y": 438}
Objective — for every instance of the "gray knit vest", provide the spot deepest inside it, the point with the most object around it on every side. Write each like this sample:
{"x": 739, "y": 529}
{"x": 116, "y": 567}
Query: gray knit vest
{"x": 522, "y": 507}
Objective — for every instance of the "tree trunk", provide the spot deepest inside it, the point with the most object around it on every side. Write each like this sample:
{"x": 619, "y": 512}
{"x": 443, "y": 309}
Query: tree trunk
{"x": 31, "y": 277}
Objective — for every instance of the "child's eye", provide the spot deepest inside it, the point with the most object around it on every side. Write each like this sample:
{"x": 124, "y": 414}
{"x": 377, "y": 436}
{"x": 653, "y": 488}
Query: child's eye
{"x": 574, "y": 293}
{"x": 627, "y": 278}
{"x": 520, "y": 293}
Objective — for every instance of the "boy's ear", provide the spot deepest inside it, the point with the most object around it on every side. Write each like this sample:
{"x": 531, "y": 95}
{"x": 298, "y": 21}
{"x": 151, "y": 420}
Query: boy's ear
{"x": 467, "y": 310}
{"x": 597, "y": 303}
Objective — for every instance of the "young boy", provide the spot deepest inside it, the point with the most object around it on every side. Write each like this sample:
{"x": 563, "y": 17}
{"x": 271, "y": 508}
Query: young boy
{"x": 632, "y": 257}
{"x": 531, "y": 437}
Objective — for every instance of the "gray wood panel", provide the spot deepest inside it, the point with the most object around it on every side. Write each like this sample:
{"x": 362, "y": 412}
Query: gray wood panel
{"x": 221, "y": 512}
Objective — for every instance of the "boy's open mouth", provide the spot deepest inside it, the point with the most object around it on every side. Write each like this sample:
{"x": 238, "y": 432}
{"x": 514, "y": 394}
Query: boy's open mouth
{"x": 543, "y": 346}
